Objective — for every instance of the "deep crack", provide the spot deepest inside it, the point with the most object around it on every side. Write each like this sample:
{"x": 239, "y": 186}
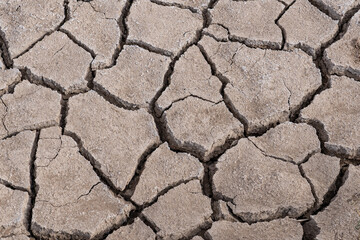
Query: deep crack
{"x": 310, "y": 228}
{"x": 33, "y": 184}
{"x": 131, "y": 186}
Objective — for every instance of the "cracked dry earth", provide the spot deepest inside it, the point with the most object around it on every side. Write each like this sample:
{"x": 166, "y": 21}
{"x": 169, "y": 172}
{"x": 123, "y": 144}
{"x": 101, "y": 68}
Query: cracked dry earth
{"x": 180, "y": 119}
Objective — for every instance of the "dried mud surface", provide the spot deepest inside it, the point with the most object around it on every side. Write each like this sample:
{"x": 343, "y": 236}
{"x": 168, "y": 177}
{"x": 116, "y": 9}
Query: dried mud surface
{"x": 180, "y": 119}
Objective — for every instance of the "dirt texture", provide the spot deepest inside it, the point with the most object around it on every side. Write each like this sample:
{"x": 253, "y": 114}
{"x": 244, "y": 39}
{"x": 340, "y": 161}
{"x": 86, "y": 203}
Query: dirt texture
{"x": 180, "y": 119}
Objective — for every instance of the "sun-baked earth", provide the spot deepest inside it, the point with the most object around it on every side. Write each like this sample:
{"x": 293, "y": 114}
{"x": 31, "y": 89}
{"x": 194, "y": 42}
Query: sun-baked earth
{"x": 180, "y": 119}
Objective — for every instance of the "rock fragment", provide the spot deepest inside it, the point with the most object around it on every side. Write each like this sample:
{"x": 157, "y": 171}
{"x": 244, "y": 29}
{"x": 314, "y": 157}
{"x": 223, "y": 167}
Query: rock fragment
{"x": 307, "y": 27}
{"x": 265, "y": 85}
{"x": 72, "y": 200}
{"x": 102, "y": 33}
{"x": 25, "y": 22}
{"x": 165, "y": 168}
{"x": 250, "y": 21}
{"x": 164, "y": 27}
{"x": 8, "y": 79}
{"x": 289, "y": 141}
{"x": 115, "y": 137}
{"x": 335, "y": 111}
{"x": 341, "y": 218}
{"x": 286, "y": 228}
{"x": 205, "y": 131}
{"x": 137, "y": 230}
{"x": 260, "y": 187}
{"x": 12, "y": 212}
{"x": 191, "y": 77}
{"x": 15, "y": 157}
{"x": 322, "y": 171}
{"x": 181, "y": 211}
{"x": 343, "y": 57}
{"x": 137, "y": 76}
{"x": 58, "y": 62}
{"x": 29, "y": 107}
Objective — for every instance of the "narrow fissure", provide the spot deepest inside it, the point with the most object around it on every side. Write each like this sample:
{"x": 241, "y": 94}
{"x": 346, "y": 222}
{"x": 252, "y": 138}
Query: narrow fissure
{"x": 63, "y": 112}
{"x": 124, "y": 31}
{"x": 210, "y": 166}
{"x": 321, "y": 64}
{"x": 5, "y": 53}
{"x": 163, "y": 192}
{"x": 333, "y": 190}
{"x": 112, "y": 99}
{"x": 96, "y": 166}
{"x": 33, "y": 185}
{"x": 49, "y": 83}
{"x": 226, "y": 99}
{"x": 4, "y": 116}
{"x": 198, "y": 231}
{"x": 132, "y": 216}
{"x": 178, "y": 5}
{"x": 77, "y": 42}
{"x": 283, "y": 31}
{"x": 149, "y": 223}
{"x": 66, "y": 18}
{"x": 322, "y": 7}
{"x": 131, "y": 186}
{"x": 310, "y": 228}
{"x": 149, "y": 47}
{"x": 160, "y": 122}
{"x": 12, "y": 186}
{"x": 307, "y": 214}
{"x": 207, "y": 181}
{"x": 271, "y": 156}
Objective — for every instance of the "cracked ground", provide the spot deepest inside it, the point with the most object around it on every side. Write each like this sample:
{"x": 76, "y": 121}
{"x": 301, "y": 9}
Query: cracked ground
{"x": 180, "y": 119}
